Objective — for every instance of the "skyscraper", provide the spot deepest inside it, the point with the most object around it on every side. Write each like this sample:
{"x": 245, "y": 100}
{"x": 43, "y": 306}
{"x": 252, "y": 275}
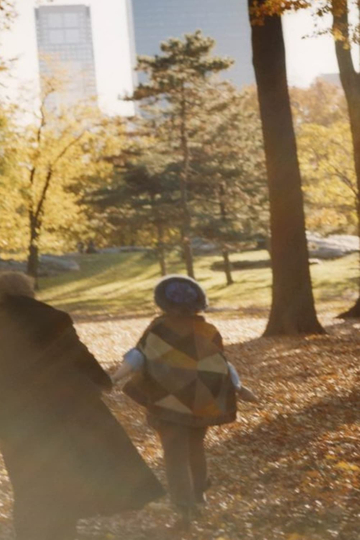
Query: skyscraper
{"x": 226, "y": 21}
{"x": 64, "y": 39}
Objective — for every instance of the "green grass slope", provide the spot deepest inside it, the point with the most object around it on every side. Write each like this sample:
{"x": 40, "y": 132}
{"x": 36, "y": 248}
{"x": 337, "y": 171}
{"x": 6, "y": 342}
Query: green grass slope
{"x": 122, "y": 284}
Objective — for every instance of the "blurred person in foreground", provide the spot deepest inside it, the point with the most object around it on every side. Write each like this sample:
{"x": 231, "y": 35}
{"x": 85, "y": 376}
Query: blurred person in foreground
{"x": 66, "y": 455}
{"x": 180, "y": 374}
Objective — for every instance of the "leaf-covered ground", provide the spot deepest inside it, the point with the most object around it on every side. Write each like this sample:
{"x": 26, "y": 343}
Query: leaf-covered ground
{"x": 289, "y": 468}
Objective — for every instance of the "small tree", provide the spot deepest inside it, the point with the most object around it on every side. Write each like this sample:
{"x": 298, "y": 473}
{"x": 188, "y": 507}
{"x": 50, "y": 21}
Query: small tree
{"x": 175, "y": 80}
{"x": 229, "y": 171}
{"x": 142, "y": 199}
{"x": 51, "y": 157}
{"x": 327, "y": 165}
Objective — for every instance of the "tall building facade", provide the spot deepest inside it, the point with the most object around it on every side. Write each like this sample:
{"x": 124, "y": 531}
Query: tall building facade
{"x": 226, "y": 21}
{"x": 65, "y": 46}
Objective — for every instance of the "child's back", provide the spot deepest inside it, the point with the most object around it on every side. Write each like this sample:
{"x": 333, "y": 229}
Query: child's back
{"x": 186, "y": 377}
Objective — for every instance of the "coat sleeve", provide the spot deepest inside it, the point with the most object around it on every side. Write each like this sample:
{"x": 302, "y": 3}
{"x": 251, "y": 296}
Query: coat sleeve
{"x": 63, "y": 334}
{"x": 84, "y": 360}
{"x": 53, "y": 331}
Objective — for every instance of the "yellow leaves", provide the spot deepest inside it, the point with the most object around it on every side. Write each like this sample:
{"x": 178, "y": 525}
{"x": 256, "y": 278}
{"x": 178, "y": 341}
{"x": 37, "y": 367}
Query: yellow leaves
{"x": 330, "y": 457}
{"x": 345, "y": 466}
{"x": 70, "y": 149}
{"x": 275, "y": 7}
{"x": 327, "y": 166}
{"x": 295, "y": 536}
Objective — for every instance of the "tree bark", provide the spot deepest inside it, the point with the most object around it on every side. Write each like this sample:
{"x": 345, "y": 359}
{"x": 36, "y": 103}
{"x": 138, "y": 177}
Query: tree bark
{"x": 186, "y": 224}
{"x": 33, "y": 249}
{"x": 350, "y": 81}
{"x": 292, "y": 309}
{"x": 161, "y": 250}
{"x": 225, "y": 251}
{"x": 227, "y": 267}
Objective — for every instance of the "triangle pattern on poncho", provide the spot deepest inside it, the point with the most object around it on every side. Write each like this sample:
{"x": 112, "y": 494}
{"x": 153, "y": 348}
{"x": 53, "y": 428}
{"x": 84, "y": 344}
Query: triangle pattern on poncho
{"x": 172, "y": 403}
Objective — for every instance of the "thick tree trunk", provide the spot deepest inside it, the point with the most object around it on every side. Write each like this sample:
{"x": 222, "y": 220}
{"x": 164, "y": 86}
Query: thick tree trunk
{"x": 227, "y": 267}
{"x": 292, "y": 310}
{"x": 350, "y": 81}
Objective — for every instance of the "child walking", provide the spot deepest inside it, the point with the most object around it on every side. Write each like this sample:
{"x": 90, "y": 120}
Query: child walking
{"x": 180, "y": 374}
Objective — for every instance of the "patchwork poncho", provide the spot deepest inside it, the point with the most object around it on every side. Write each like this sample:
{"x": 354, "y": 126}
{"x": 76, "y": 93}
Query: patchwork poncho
{"x": 186, "y": 378}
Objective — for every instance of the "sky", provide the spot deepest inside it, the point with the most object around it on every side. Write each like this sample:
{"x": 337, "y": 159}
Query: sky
{"x": 306, "y": 57}
{"x": 111, "y": 50}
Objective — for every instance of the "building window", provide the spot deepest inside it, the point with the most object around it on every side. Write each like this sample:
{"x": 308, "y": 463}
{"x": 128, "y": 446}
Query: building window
{"x": 56, "y": 36}
{"x": 72, "y": 35}
{"x": 55, "y": 20}
{"x": 71, "y": 20}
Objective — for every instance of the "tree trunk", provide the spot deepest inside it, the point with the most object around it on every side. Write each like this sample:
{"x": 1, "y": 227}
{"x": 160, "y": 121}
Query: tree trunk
{"x": 227, "y": 267}
{"x": 186, "y": 216}
{"x": 292, "y": 309}
{"x": 33, "y": 250}
{"x": 161, "y": 250}
{"x": 350, "y": 81}
{"x": 225, "y": 251}
{"x": 33, "y": 261}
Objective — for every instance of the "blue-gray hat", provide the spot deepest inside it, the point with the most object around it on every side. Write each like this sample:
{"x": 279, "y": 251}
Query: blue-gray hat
{"x": 181, "y": 294}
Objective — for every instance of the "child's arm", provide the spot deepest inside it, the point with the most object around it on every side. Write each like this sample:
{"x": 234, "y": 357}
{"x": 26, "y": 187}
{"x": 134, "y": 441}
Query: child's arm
{"x": 247, "y": 395}
{"x": 235, "y": 379}
{"x": 244, "y": 393}
{"x": 133, "y": 361}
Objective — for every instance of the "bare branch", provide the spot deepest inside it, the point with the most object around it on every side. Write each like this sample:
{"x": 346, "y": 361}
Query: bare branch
{"x": 42, "y": 199}
{"x": 345, "y": 180}
{"x": 50, "y": 172}
{"x": 65, "y": 150}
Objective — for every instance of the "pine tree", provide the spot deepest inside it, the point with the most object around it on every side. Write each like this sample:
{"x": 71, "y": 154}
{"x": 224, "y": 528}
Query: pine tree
{"x": 175, "y": 80}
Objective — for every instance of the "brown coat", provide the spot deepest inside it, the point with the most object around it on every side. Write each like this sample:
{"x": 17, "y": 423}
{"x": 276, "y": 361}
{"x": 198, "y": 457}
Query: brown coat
{"x": 61, "y": 444}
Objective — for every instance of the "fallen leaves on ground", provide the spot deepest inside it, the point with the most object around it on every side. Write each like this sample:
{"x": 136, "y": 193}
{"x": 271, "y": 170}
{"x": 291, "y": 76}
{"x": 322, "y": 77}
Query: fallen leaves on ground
{"x": 288, "y": 469}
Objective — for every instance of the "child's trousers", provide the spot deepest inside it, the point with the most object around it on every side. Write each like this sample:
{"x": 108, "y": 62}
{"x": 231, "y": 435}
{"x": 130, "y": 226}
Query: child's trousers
{"x": 185, "y": 461}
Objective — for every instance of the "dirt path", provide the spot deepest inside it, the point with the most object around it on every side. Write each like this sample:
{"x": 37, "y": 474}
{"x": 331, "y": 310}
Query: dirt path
{"x": 287, "y": 469}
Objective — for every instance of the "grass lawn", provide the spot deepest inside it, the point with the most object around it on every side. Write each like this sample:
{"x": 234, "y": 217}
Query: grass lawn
{"x": 119, "y": 284}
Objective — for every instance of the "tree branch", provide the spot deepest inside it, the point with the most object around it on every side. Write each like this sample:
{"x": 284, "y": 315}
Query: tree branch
{"x": 45, "y": 189}
{"x": 348, "y": 74}
{"x": 50, "y": 172}
{"x": 67, "y": 148}
{"x": 345, "y": 180}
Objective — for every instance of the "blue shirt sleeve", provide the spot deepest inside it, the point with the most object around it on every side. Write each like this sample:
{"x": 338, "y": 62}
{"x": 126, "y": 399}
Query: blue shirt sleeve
{"x": 135, "y": 359}
{"x": 234, "y": 376}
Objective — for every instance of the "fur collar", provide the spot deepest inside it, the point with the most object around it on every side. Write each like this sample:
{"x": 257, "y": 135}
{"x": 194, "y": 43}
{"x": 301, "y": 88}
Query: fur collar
{"x": 15, "y": 284}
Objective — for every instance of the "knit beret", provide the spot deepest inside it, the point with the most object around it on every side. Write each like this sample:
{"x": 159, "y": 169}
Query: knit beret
{"x": 181, "y": 294}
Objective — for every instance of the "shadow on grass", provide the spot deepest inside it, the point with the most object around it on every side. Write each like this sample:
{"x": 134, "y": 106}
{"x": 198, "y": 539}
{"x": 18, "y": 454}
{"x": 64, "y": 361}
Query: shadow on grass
{"x": 117, "y": 282}
{"x": 330, "y": 290}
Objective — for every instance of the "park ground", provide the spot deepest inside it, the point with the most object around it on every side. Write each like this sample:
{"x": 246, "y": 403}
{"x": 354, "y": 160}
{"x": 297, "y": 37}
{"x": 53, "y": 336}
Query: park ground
{"x": 289, "y": 468}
